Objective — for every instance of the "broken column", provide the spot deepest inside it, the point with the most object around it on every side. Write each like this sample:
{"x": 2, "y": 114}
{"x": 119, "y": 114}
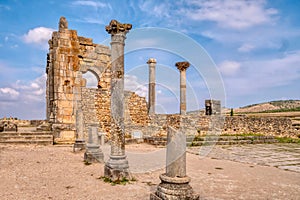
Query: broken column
{"x": 175, "y": 183}
{"x": 117, "y": 168}
{"x": 151, "y": 91}
{"x": 182, "y": 66}
{"x": 93, "y": 152}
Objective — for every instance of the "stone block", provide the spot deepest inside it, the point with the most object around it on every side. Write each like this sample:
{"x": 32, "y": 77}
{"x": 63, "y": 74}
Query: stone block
{"x": 67, "y": 135}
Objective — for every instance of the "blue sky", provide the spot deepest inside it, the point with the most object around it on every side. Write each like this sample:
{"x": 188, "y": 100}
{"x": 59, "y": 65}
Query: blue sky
{"x": 251, "y": 48}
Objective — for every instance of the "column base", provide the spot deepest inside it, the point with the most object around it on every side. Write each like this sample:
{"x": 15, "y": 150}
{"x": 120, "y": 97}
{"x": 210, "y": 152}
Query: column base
{"x": 79, "y": 144}
{"x": 176, "y": 188}
{"x": 93, "y": 154}
{"x": 117, "y": 168}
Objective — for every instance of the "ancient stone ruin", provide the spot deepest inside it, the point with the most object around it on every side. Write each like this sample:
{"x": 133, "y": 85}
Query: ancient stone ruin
{"x": 175, "y": 182}
{"x": 72, "y": 108}
{"x": 117, "y": 168}
{"x": 70, "y": 105}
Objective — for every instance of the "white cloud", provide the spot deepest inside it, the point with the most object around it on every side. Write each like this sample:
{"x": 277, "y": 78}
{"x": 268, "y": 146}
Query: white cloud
{"x": 24, "y": 99}
{"x": 246, "y": 48}
{"x": 90, "y": 3}
{"x": 132, "y": 84}
{"x": 229, "y": 68}
{"x": 231, "y": 13}
{"x": 153, "y": 8}
{"x": 38, "y": 36}
{"x": 34, "y": 91}
{"x": 14, "y": 46}
{"x": 257, "y": 77}
{"x": 8, "y": 94}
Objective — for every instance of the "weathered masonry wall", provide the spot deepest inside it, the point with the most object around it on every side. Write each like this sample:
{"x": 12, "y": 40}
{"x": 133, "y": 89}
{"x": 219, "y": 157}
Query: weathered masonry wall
{"x": 216, "y": 124}
{"x": 72, "y": 108}
{"x": 136, "y": 109}
{"x": 276, "y": 126}
{"x": 69, "y": 57}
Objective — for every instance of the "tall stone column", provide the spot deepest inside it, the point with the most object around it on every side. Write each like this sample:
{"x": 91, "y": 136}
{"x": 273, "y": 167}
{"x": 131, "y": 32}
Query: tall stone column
{"x": 182, "y": 67}
{"x": 117, "y": 166}
{"x": 151, "y": 91}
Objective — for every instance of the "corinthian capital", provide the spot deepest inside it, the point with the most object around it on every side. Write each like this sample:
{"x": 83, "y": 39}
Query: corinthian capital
{"x": 115, "y": 27}
{"x": 151, "y": 60}
{"x": 181, "y": 66}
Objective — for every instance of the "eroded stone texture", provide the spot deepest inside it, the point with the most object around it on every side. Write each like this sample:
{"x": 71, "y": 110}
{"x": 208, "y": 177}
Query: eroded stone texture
{"x": 93, "y": 152}
{"x": 151, "y": 90}
{"x": 175, "y": 183}
{"x": 69, "y": 57}
{"x": 117, "y": 168}
{"x": 182, "y": 67}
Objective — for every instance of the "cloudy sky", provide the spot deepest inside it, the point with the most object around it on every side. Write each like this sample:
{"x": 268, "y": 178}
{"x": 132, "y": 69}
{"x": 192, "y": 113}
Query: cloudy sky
{"x": 241, "y": 51}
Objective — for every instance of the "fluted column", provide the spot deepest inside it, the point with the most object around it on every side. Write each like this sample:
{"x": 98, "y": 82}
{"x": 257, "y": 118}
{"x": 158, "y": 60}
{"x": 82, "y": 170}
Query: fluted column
{"x": 182, "y": 67}
{"x": 151, "y": 91}
{"x": 117, "y": 166}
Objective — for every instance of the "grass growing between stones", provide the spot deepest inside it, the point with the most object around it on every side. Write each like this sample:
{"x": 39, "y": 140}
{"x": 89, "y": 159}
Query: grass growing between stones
{"x": 122, "y": 181}
{"x": 288, "y": 140}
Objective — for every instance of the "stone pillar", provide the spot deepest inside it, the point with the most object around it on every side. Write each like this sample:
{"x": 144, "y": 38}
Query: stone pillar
{"x": 117, "y": 166}
{"x": 182, "y": 66}
{"x": 93, "y": 152}
{"x": 175, "y": 183}
{"x": 151, "y": 91}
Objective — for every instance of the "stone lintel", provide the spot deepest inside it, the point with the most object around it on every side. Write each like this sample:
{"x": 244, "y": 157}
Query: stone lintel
{"x": 116, "y": 27}
{"x": 181, "y": 66}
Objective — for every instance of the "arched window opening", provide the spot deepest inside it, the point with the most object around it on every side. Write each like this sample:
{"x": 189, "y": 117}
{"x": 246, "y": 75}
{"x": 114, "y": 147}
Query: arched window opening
{"x": 91, "y": 80}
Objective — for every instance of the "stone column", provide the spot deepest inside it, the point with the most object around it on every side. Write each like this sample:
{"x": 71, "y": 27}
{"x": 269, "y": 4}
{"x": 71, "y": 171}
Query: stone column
{"x": 175, "y": 183}
{"x": 93, "y": 152}
{"x": 117, "y": 166}
{"x": 151, "y": 91}
{"x": 182, "y": 66}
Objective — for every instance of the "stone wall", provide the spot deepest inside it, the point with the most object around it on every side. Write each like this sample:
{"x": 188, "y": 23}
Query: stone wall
{"x": 69, "y": 57}
{"x": 276, "y": 126}
{"x": 72, "y": 108}
{"x": 136, "y": 114}
{"x": 136, "y": 109}
{"x": 89, "y": 109}
{"x": 103, "y": 111}
{"x": 196, "y": 124}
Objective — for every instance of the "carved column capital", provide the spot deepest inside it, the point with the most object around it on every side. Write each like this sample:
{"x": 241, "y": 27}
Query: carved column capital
{"x": 182, "y": 66}
{"x": 116, "y": 27}
{"x": 151, "y": 60}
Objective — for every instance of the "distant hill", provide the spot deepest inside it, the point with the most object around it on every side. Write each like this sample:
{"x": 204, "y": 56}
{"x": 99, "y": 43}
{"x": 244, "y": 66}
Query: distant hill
{"x": 272, "y": 106}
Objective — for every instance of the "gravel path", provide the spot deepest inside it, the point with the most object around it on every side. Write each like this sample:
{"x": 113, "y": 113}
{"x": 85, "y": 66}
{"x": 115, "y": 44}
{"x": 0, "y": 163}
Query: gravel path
{"x": 52, "y": 172}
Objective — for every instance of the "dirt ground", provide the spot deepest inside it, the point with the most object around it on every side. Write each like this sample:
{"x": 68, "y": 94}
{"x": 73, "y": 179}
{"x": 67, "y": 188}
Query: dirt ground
{"x": 52, "y": 172}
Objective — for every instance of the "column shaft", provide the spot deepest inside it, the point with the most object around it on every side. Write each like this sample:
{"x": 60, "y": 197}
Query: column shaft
{"x": 117, "y": 166}
{"x": 182, "y": 67}
{"x": 183, "y": 92}
{"x": 151, "y": 90}
{"x": 117, "y": 95}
